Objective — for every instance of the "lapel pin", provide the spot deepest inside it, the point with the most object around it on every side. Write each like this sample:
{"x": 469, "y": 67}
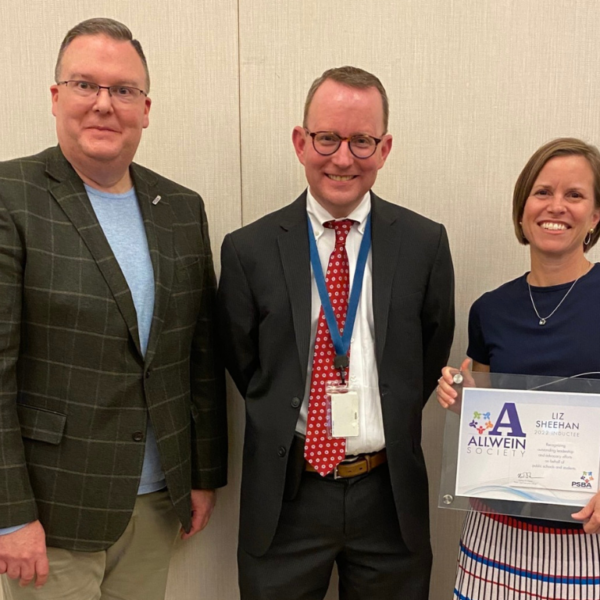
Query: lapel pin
{"x": 156, "y": 200}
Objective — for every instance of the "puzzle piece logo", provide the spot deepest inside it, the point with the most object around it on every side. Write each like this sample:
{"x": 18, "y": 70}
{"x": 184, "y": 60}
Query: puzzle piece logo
{"x": 481, "y": 422}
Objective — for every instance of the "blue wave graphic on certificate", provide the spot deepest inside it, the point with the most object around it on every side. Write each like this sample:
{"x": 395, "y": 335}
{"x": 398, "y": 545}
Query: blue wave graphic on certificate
{"x": 502, "y": 492}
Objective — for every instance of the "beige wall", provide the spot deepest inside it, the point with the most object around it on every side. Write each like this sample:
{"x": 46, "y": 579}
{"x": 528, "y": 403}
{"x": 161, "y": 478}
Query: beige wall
{"x": 474, "y": 86}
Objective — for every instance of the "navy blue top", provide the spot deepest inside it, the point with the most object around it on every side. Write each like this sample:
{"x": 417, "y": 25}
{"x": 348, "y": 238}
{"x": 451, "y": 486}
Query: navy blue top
{"x": 504, "y": 333}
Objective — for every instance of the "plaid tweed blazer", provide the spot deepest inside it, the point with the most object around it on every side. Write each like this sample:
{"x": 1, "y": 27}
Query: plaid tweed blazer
{"x": 75, "y": 390}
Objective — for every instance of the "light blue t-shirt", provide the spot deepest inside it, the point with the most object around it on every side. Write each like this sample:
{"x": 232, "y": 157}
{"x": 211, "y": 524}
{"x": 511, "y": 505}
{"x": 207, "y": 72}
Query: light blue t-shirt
{"x": 121, "y": 220}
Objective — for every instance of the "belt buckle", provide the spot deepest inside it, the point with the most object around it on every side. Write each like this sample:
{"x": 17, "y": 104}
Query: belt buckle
{"x": 336, "y": 473}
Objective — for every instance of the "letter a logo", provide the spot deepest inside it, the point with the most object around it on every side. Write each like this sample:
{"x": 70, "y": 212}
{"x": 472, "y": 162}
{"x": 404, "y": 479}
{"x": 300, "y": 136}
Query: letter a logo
{"x": 508, "y": 419}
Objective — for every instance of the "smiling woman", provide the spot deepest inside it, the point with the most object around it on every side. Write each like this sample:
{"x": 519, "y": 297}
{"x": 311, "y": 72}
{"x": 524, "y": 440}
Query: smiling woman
{"x": 542, "y": 323}
{"x": 560, "y": 213}
{"x": 556, "y": 209}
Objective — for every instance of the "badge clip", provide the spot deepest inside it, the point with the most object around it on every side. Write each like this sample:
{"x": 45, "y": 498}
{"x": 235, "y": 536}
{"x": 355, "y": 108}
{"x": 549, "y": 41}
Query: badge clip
{"x": 341, "y": 362}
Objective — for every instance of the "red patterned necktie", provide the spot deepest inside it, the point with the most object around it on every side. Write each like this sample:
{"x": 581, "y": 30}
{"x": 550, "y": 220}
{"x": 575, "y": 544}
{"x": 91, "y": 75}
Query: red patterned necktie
{"x": 322, "y": 453}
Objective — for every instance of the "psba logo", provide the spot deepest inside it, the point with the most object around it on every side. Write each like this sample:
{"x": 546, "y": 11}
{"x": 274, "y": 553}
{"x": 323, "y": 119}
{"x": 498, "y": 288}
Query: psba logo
{"x": 587, "y": 476}
{"x": 584, "y": 481}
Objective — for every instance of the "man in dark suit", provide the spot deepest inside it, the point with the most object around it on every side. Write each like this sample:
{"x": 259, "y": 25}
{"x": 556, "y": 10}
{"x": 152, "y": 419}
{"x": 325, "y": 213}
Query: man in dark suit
{"x": 354, "y": 490}
{"x": 113, "y": 433}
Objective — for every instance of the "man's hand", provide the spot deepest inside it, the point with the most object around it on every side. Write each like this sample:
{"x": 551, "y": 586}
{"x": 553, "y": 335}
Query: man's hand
{"x": 590, "y": 515}
{"x": 203, "y": 502}
{"x": 23, "y": 555}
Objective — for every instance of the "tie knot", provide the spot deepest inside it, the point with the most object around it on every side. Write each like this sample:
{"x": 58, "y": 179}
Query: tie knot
{"x": 342, "y": 228}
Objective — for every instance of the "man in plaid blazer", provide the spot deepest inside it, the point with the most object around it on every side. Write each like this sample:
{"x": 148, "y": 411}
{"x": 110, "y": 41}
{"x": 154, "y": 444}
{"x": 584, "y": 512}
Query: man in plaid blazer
{"x": 112, "y": 414}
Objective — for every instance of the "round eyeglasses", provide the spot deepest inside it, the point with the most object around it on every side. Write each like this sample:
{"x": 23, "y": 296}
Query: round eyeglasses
{"x": 327, "y": 143}
{"x": 87, "y": 89}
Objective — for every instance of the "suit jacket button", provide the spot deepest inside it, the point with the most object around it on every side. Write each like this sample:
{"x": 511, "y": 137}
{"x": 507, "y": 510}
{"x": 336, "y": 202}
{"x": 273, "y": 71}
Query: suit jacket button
{"x": 137, "y": 436}
{"x": 282, "y": 451}
{"x": 148, "y": 373}
{"x": 296, "y": 402}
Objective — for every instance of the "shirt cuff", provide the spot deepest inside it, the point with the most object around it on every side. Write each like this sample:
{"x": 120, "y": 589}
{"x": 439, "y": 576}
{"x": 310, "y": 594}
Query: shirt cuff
{"x": 7, "y": 530}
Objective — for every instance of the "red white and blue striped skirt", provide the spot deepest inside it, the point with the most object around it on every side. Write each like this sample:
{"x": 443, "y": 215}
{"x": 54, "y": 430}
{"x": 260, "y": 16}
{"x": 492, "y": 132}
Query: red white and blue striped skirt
{"x": 502, "y": 558}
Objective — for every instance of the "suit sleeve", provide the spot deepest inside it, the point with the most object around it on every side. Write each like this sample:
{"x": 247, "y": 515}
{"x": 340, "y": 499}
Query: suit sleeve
{"x": 17, "y": 504}
{"x": 437, "y": 316}
{"x": 209, "y": 412}
{"x": 238, "y": 318}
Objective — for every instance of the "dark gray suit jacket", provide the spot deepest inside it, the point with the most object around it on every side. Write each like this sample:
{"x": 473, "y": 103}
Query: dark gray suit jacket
{"x": 264, "y": 302}
{"x": 75, "y": 390}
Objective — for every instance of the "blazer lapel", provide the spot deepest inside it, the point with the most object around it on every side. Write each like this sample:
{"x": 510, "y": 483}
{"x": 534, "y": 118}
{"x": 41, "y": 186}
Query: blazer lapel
{"x": 67, "y": 189}
{"x": 386, "y": 244}
{"x": 295, "y": 257}
{"x": 158, "y": 222}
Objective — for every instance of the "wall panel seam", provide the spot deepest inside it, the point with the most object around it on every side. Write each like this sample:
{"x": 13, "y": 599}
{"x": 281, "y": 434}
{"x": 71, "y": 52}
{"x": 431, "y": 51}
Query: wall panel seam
{"x": 239, "y": 66}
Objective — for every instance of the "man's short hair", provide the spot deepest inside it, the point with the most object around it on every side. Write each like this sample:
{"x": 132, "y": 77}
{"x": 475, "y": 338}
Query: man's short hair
{"x": 102, "y": 26}
{"x": 531, "y": 171}
{"x": 352, "y": 77}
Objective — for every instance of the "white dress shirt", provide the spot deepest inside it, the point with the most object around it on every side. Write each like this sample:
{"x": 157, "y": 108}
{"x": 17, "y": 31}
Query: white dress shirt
{"x": 363, "y": 367}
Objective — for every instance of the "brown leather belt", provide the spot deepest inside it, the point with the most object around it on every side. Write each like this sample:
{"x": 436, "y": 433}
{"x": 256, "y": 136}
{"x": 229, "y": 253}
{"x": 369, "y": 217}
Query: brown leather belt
{"x": 363, "y": 464}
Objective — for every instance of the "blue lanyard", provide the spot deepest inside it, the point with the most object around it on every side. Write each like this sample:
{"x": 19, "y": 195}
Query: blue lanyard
{"x": 341, "y": 344}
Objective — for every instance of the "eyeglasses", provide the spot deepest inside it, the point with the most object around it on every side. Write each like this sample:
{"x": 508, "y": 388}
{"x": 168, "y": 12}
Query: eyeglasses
{"x": 87, "y": 89}
{"x": 327, "y": 143}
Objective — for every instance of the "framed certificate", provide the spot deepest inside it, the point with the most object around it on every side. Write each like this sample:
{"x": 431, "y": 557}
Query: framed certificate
{"x": 523, "y": 445}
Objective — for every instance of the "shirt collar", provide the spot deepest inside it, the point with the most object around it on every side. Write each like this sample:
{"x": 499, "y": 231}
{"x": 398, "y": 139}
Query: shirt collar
{"x": 319, "y": 216}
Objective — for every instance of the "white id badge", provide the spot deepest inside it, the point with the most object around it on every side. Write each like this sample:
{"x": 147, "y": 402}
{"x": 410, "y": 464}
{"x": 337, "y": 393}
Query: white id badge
{"x": 343, "y": 410}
